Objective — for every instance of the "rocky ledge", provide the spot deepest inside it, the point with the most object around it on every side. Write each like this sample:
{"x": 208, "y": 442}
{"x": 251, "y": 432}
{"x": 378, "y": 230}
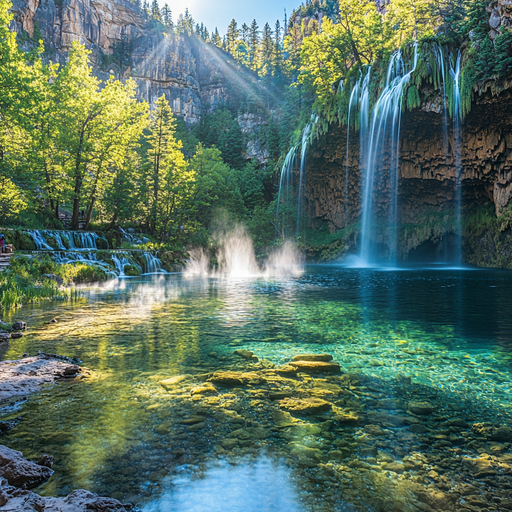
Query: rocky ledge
{"x": 25, "y": 376}
{"x": 18, "y": 475}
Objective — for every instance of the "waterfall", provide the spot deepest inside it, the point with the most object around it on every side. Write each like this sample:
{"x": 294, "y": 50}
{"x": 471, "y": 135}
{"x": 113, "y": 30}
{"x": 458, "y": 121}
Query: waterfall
{"x": 285, "y": 183}
{"x": 457, "y": 150}
{"x": 306, "y": 136}
{"x": 153, "y": 264}
{"x": 120, "y": 264}
{"x": 384, "y": 126}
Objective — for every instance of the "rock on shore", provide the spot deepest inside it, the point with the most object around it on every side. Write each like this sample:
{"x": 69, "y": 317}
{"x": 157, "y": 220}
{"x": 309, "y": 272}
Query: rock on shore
{"x": 25, "y": 376}
{"x": 18, "y": 474}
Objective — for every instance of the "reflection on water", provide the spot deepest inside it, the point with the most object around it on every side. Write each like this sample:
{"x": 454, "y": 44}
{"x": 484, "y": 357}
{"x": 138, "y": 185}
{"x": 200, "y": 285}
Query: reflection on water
{"x": 117, "y": 433}
{"x": 258, "y": 487}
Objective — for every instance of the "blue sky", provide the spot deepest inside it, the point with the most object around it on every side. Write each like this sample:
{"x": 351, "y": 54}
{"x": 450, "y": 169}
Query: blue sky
{"x": 218, "y": 13}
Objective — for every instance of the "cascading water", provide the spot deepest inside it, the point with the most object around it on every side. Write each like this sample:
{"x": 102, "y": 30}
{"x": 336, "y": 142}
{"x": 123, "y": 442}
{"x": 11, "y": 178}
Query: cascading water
{"x": 39, "y": 240}
{"x": 384, "y": 127}
{"x": 306, "y": 136}
{"x": 457, "y": 118}
{"x": 285, "y": 184}
{"x": 153, "y": 265}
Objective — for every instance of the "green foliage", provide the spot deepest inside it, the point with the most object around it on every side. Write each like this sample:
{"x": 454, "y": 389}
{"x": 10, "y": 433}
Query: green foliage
{"x": 413, "y": 97}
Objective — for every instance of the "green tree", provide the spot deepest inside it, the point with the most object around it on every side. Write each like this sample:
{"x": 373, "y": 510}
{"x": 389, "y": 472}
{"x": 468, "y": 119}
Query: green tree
{"x": 232, "y": 36}
{"x": 163, "y": 158}
{"x": 254, "y": 41}
{"x": 155, "y": 11}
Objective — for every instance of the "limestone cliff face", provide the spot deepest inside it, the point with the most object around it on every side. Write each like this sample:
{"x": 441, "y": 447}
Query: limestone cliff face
{"x": 427, "y": 172}
{"x": 194, "y": 76}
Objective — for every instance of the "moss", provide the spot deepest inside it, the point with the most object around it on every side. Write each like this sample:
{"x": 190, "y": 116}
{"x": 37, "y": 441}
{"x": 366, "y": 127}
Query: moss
{"x": 132, "y": 271}
{"x": 102, "y": 243}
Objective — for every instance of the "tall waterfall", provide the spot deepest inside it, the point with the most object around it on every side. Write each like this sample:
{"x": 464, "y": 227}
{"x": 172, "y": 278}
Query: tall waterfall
{"x": 285, "y": 186}
{"x": 457, "y": 151}
{"x": 384, "y": 127}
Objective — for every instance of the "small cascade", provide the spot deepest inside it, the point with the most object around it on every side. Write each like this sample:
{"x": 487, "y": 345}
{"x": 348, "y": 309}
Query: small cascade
{"x": 384, "y": 127}
{"x": 457, "y": 150}
{"x": 120, "y": 264}
{"x": 134, "y": 239}
{"x": 64, "y": 240}
{"x": 39, "y": 240}
{"x": 86, "y": 240}
{"x": 152, "y": 264}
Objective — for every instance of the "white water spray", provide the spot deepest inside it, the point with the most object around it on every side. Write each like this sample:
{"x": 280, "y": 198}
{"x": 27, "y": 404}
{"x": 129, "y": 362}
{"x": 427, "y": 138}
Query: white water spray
{"x": 236, "y": 259}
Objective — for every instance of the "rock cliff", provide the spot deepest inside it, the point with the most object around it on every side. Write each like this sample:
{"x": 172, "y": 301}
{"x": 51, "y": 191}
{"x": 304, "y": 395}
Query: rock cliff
{"x": 195, "y": 77}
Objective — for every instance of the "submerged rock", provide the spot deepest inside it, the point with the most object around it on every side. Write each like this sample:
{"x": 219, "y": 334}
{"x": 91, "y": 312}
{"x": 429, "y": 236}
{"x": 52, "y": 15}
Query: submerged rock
{"x": 246, "y": 354}
{"x": 174, "y": 381}
{"x": 313, "y": 357}
{"x": 305, "y": 406}
{"x": 421, "y": 408}
{"x": 316, "y": 366}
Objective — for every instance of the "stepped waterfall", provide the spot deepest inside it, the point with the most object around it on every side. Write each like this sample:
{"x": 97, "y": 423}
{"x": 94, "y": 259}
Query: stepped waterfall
{"x": 71, "y": 247}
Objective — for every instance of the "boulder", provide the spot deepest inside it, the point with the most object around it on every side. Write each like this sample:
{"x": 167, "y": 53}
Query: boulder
{"x": 316, "y": 366}
{"x": 7, "y": 455}
{"x": 19, "y": 326}
{"x": 25, "y": 474}
{"x": 305, "y": 406}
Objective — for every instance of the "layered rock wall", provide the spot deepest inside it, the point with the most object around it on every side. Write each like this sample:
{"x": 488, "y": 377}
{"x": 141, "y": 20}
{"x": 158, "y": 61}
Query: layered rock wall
{"x": 427, "y": 170}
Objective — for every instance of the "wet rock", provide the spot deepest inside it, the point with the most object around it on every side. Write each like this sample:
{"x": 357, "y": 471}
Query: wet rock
{"x": 19, "y": 326}
{"x": 246, "y": 354}
{"x": 492, "y": 432}
{"x": 316, "y": 366}
{"x": 231, "y": 379}
{"x": 393, "y": 466}
{"x": 205, "y": 389}
{"x": 7, "y": 455}
{"x": 4, "y": 336}
{"x": 326, "y": 358}
{"x": 374, "y": 430}
{"x": 304, "y": 452}
{"x": 45, "y": 460}
{"x": 16, "y": 335}
{"x": 418, "y": 429}
{"x": 286, "y": 370}
{"x": 193, "y": 420}
{"x": 305, "y": 406}
{"x": 9, "y": 425}
{"x": 174, "y": 381}
{"x": 70, "y": 371}
{"x": 421, "y": 408}
{"x": 25, "y": 474}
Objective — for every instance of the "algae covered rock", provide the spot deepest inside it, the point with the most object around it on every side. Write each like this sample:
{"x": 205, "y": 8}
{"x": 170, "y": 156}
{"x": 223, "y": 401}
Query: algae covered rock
{"x": 205, "y": 389}
{"x": 305, "y": 406}
{"x": 421, "y": 408}
{"x": 231, "y": 379}
{"x": 316, "y": 366}
{"x": 326, "y": 358}
{"x": 174, "y": 381}
{"x": 246, "y": 354}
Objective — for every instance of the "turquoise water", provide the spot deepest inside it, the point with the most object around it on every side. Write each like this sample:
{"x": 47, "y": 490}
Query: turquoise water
{"x": 450, "y": 330}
